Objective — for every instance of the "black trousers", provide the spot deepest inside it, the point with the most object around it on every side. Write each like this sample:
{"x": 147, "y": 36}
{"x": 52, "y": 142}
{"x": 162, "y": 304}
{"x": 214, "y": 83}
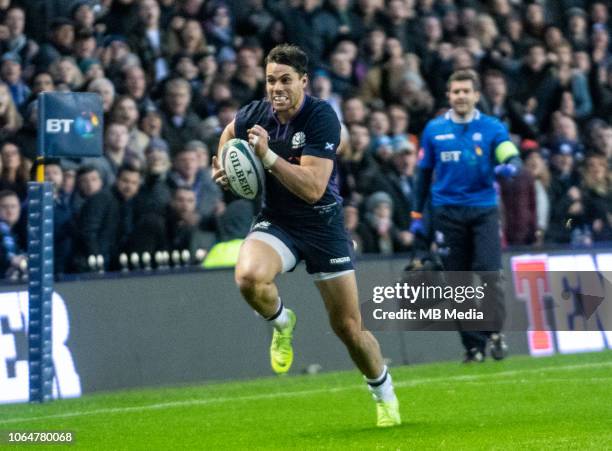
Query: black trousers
{"x": 468, "y": 239}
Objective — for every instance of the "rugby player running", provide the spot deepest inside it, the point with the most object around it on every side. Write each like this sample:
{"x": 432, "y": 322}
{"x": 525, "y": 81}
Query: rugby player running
{"x": 296, "y": 136}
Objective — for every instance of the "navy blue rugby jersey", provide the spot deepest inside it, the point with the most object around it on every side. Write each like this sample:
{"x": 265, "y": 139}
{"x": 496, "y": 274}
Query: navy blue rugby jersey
{"x": 315, "y": 131}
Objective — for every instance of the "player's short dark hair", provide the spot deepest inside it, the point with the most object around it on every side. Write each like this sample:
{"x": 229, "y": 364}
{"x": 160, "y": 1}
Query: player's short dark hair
{"x": 289, "y": 55}
{"x": 465, "y": 75}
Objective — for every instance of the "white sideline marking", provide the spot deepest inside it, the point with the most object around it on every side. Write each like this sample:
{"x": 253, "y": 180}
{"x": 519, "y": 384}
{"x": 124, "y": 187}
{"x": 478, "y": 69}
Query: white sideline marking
{"x": 544, "y": 381}
{"x": 200, "y": 402}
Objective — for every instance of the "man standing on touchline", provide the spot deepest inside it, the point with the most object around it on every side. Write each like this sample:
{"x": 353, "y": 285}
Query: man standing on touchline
{"x": 466, "y": 150}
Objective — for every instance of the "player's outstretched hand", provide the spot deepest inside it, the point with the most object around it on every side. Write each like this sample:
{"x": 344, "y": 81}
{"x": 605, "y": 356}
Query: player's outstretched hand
{"x": 218, "y": 174}
{"x": 258, "y": 139}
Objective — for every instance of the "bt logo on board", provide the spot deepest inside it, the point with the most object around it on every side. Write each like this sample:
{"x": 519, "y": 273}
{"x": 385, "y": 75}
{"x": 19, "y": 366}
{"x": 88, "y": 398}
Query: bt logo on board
{"x": 84, "y": 125}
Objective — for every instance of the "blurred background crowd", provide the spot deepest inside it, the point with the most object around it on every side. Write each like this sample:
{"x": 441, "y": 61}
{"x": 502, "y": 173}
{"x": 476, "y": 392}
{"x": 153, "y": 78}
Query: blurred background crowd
{"x": 173, "y": 73}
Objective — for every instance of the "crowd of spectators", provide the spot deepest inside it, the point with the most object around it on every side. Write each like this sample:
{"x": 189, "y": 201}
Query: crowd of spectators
{"x": 173, "y": 73}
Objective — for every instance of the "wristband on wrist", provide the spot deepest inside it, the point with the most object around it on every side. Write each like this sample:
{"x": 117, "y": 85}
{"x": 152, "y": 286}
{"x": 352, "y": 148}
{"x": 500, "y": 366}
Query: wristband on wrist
{"x": 268, "y": 159}
{"x": 416, "y": 215}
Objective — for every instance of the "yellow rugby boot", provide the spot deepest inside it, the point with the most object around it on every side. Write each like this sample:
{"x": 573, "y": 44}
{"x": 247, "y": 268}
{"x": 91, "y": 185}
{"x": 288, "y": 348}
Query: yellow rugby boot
{"x": 281, "y": 351}
{"x": 387, "y": 414}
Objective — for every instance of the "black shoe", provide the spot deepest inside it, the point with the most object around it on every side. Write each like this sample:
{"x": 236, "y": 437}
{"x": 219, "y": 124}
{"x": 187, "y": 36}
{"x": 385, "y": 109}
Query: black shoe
{"x": 474, "y": 355}
{"x": 497, "y": 346}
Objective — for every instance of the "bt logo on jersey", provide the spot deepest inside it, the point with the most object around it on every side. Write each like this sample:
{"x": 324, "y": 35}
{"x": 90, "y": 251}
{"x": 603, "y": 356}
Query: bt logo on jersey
{"x": 450, "y": 155}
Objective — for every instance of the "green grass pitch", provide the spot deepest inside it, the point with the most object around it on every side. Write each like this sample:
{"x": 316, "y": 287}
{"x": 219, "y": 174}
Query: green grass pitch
{"x": 561, "y": 402}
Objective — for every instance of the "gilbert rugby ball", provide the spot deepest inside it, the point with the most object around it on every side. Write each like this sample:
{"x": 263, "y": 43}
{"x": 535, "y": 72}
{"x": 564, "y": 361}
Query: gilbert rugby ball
{"x": 244, "y": 171}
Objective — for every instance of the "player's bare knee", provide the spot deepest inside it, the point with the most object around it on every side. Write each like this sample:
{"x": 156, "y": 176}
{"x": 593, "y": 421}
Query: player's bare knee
{"x": 250, "y": 280}
{"x": 246, "y": 281}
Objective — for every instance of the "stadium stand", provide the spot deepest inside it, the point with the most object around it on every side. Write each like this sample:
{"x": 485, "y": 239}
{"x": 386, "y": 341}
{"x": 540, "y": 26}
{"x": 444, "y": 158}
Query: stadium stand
{"x": 173, "y": 73}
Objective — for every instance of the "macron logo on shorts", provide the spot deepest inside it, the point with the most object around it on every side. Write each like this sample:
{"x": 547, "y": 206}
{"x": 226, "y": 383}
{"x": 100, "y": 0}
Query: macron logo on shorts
{"x": 339, "y": 261}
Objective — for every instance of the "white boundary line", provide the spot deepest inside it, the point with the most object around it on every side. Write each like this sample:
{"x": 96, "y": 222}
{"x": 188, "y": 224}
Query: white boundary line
{"x": 201, "y": 402}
